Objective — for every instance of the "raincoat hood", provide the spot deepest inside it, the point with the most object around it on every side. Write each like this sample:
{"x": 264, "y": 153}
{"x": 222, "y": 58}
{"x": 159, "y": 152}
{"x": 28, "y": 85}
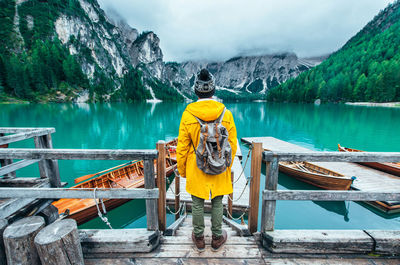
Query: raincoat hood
{"x": 206, "y": 109}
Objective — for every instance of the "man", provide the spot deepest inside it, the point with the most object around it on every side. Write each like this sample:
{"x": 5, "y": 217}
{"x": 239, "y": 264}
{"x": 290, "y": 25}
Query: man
{"x": 200, "y": 185}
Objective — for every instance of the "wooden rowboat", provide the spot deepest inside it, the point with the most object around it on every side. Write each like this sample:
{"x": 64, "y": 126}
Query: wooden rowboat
{"x": 316, "y": 175}
{"x": 391, "y": 168}
{"x": 129, "y": 176}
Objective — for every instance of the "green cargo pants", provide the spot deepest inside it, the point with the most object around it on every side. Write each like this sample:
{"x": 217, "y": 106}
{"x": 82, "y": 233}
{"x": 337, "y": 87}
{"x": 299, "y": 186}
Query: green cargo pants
{"x": 216, "y": 215}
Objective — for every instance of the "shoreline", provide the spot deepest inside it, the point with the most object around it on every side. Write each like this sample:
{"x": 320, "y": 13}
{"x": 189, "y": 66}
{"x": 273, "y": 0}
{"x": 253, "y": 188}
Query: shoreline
{"x": 375, "y": 104}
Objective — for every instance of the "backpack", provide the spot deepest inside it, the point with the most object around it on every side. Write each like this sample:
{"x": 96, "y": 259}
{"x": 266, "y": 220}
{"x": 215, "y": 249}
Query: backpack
{"x": 213, "y": 153}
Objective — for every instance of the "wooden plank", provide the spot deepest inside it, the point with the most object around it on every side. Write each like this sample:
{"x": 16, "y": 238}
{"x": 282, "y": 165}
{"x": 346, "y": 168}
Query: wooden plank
{"x": 177, "y": 195}
{"x": 17, "y": 165}
{"x": 105, "y": 242}
{"x": 161, "y": 178}
{"x": 330, "y": 195}
{"x": 23, "y": 135}
{"x": 318, "y": 241}
{"x": 333, "y": 156}
{"x": 20, "y": 182}
{"x": 230, "y": 198}
{"x": 57, "y": 193}
{"x": 6, "y": 162}
{"x": 187, "y": 240}
{"x": 12, "y": 206}
{"x": 20, "y": 129}
{"x": 151, "y": 204}
{"x": 77, "y": 154}
{"x": 241, "y": 230}
{"x": 255, "y": 173}
{"x": 269, "y": 206}
{"x": 387, "y": 241}
{"x": 3, "y": 225}
{"x": 181, "y": 260}
{"x": 232, "y": 251}
{"x": 171, "y": 230}
{"x": 39, "y": 144}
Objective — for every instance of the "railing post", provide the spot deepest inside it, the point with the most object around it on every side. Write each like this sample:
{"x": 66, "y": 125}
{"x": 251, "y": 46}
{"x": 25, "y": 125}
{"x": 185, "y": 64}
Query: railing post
{"x": 162, "y": 219}
{"x": 255, "y": 172}
{"x": 5, "y": 162}
{"x": 268, "y": 207}
{"x": 177, "y": 195}
{"x": 230, "y": 199}
{"x": 151, "y": 204}
{"x": 48, "y": 168}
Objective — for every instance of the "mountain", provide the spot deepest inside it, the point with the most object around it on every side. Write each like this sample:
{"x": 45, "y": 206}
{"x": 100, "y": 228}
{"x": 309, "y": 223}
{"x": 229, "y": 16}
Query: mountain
{"x": 71, "y": 50}
{"x": 241, "y": 76}
{"x": 366, "y": 68}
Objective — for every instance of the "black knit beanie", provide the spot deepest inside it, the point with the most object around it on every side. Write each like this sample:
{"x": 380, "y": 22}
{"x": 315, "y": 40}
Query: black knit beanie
{"x": 204, "y": 86}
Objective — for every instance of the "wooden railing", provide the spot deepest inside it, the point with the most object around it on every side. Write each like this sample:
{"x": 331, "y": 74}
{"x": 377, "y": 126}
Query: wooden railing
{"x": 270, "y": 195}
{"x": 50, "y": 170}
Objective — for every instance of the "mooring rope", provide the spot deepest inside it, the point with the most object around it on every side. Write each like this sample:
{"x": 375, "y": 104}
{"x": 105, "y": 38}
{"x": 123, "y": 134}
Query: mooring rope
{"x": 179, "y": 210}
{"x": 238, "y": 218}
{"x": 245, "y": 164}
{"x": 241, "y": 194}
{"x": 103, "y": 218}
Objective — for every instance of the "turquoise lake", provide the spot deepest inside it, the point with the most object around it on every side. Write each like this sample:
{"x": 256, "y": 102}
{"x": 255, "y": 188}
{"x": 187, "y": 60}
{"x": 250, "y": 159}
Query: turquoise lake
{"x": 141, "y": 125}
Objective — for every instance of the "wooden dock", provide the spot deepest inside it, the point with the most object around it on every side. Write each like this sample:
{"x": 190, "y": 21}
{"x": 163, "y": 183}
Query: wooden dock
{"x": 179, "y": 249}
{"x": 367, "y": 179}
{"x": 238, "y": 187}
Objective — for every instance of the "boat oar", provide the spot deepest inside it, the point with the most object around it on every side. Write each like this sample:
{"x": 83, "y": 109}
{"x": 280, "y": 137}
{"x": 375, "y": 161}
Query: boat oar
{"x": 83, "y": 178}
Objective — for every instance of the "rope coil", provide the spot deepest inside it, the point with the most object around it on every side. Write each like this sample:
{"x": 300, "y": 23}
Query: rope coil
{"x": 103, "y": 218}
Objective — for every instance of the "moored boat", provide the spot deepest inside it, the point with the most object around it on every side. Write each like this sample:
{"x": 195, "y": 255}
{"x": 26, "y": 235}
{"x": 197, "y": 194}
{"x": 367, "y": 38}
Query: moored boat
{"x": 316, "y": 175}
{"x": 391, "y": 168}
{"x": 129, "y": 175}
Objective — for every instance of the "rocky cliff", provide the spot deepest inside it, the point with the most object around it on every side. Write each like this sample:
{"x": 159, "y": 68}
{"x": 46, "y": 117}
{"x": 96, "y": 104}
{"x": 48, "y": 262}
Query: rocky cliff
{"x": 247, "y": 74}
{"x": 115, "y": 60}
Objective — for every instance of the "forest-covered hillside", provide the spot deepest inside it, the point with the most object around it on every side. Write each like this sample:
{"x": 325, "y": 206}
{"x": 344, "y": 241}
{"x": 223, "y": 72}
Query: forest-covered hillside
{"x": 71, "y": 51}
{"x": 366, "y": 68}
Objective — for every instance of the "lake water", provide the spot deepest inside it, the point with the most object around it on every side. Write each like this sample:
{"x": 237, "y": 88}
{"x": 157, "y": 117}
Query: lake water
{"x": 140, "y": 125}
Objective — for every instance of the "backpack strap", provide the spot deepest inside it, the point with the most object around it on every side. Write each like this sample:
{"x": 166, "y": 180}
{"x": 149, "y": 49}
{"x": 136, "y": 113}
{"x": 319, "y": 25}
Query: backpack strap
{"x": 219, "y": 119}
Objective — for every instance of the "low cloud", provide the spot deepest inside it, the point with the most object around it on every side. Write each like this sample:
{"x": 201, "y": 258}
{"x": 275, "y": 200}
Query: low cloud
{"x": 219, "y": 30}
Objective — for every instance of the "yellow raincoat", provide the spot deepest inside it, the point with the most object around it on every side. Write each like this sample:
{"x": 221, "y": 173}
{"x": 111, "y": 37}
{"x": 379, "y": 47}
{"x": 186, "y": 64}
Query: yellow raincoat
{"x": 198, "y": 183}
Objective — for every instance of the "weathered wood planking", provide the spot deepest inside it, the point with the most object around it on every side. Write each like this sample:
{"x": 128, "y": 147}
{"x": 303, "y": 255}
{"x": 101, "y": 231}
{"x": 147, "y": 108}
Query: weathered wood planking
{"x": 387, "y": 241}
{"x": 11, "y": 206}
{"x": 3, "y": 225}
{"x": 17, "y": 165}
{"x": 318, "y": 241}
{"x": 171, "y": 230}
{"x": 57, "y": 193}
{"x": 151, "y": 204}
{"x": 107, "y": 243}
{"x": 21, "y": 129}
{"x": 77, "y": 154}
{"x": 19, "y": 136}
{"x": 48, "y": 168}
{"x": 238, "y": 187}
{"x": 330, "y": 195}
{"x": 162, "y": 221}
{"x": 255, "y": 173}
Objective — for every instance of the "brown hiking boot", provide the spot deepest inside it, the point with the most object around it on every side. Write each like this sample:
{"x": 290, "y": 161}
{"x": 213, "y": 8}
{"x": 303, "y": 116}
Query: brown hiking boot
{"x": 218, "y": 241}
{"x": 199, "y": 242}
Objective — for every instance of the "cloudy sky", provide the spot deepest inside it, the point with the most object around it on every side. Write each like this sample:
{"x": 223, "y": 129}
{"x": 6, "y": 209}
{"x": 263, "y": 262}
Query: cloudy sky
{"x": 221, "y": 29}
